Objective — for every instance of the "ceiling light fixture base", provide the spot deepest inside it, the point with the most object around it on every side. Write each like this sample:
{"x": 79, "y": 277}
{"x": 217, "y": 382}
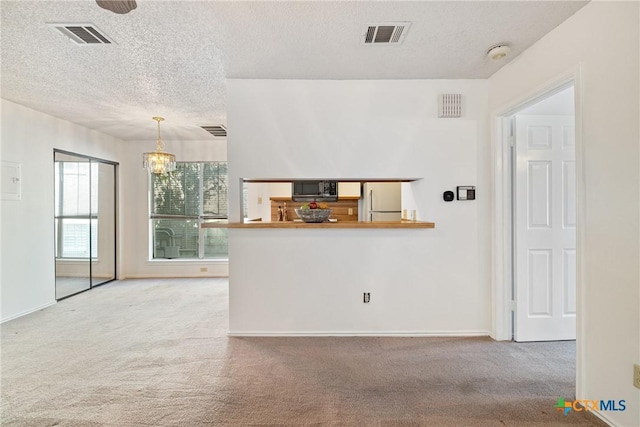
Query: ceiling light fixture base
{"x": 498, "y": 51}
{"x": 118, "y": 6}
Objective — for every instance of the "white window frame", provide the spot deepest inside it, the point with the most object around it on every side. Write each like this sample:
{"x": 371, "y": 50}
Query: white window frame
{"x": 201, "y": 218}
{"x": 92, "y": 252}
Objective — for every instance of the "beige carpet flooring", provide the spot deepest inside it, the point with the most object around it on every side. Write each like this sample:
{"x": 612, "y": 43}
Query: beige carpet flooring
{"x": 156, "y": 353}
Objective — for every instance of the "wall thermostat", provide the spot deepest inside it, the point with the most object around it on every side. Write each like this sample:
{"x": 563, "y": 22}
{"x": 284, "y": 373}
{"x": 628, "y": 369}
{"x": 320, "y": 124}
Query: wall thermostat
{"x": 466, "y": 192}
{"x": 448, "y": 196}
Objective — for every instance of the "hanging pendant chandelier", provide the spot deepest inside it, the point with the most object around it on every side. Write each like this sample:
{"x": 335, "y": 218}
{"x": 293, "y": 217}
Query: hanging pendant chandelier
{"x": 159, "y": 161}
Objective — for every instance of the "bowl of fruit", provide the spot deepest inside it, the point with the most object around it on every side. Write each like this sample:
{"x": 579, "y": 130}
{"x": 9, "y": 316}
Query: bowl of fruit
{"x": 313, "y": 212}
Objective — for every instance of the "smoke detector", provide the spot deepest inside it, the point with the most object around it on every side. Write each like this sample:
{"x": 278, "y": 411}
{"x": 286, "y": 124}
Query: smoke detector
{"x": 498, "y": 51}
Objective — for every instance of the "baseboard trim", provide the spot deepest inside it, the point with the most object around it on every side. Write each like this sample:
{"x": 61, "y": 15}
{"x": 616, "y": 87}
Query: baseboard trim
{"x": 602, "y": 417}
{"x": 96, "y": 276}
{"x": 172, "y": 276}
{"x": 24, "y": 313}
{"x": 358, "y": 334}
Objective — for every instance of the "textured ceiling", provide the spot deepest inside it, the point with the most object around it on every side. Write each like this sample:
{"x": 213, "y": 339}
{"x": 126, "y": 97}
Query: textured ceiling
{"x": 172, "y": 58}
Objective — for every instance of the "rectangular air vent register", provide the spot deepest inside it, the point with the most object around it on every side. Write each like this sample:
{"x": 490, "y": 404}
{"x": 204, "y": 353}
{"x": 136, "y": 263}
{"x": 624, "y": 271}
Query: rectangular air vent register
{"x": 450, "y": 105}
{"x": 82, "y": 34}
{"x": 219, "y": 131}
{"x": 384, "y": 33}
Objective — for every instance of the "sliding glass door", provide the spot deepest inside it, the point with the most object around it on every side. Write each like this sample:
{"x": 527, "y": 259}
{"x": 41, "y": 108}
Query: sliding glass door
{"x": 85, "y": 221}
{"x": 103, "y": 258}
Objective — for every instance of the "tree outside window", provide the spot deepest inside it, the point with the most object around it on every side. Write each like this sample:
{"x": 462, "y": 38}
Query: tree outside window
{"x": 180, "y": 202}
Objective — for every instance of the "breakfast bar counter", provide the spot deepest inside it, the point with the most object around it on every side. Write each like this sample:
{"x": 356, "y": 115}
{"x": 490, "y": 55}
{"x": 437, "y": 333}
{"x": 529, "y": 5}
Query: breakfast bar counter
{"x": 328, "y": 225}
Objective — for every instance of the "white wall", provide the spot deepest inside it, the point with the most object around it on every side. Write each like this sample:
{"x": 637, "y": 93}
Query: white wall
{"x": 558, "y": 104}
{"x": 29, "y": 138}
{"x": 135, "y": 211}
{"x": 263, "y": 191}
{"x": 311, "y": 281}
{"x": 601, "y": 38}
{"x": 258, "y": 203}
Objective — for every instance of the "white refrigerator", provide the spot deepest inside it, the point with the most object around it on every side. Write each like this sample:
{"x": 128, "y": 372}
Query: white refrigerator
{"x": 381, "y": 201}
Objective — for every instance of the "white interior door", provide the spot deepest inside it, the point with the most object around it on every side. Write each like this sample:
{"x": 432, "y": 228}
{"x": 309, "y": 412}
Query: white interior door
{"x": 545, "y": 228}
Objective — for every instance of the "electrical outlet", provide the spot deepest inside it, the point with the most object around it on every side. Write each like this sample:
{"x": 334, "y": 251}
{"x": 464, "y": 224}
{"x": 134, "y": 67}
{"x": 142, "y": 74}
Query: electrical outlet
{"x": 259, "y": 200}
{"x": 350, "y": 211}
{"x": 367, "y": 297}
{"x": 203, "y": 269}
{"x": 636, "y": 375}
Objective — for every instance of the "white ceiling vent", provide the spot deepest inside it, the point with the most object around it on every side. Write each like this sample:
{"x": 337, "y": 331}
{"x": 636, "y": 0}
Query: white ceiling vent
{"x": 450, "y": 105}
{"x": 82, "y": 34}
{"x": 217, "y": 131}
{"x": 385, "y": 33}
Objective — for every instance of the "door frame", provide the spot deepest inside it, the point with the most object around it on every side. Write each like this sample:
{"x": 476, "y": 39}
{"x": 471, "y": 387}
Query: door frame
{"x": 503, "y": 302}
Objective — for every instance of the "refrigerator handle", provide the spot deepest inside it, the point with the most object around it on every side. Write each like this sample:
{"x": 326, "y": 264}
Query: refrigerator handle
{"x": 371, "y": 205}
{"x": 372, "y": 211}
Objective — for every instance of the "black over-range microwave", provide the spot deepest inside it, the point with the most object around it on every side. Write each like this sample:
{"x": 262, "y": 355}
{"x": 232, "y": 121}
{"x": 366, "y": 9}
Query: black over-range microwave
{"x": 319, "y": 190}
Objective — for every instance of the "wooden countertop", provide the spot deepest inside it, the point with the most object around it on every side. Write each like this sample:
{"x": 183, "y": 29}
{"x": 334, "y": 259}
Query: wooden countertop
{"x": 339, "y": 224}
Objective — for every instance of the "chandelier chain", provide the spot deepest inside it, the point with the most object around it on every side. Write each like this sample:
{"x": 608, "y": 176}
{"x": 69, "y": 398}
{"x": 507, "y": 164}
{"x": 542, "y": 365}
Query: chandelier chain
{"x": 159, "y": 143}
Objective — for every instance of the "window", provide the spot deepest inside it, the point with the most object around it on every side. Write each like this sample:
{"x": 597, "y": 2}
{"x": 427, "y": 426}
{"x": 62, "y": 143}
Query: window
{"x": 76, "y": 215}
{"x": 180, "y": 202}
